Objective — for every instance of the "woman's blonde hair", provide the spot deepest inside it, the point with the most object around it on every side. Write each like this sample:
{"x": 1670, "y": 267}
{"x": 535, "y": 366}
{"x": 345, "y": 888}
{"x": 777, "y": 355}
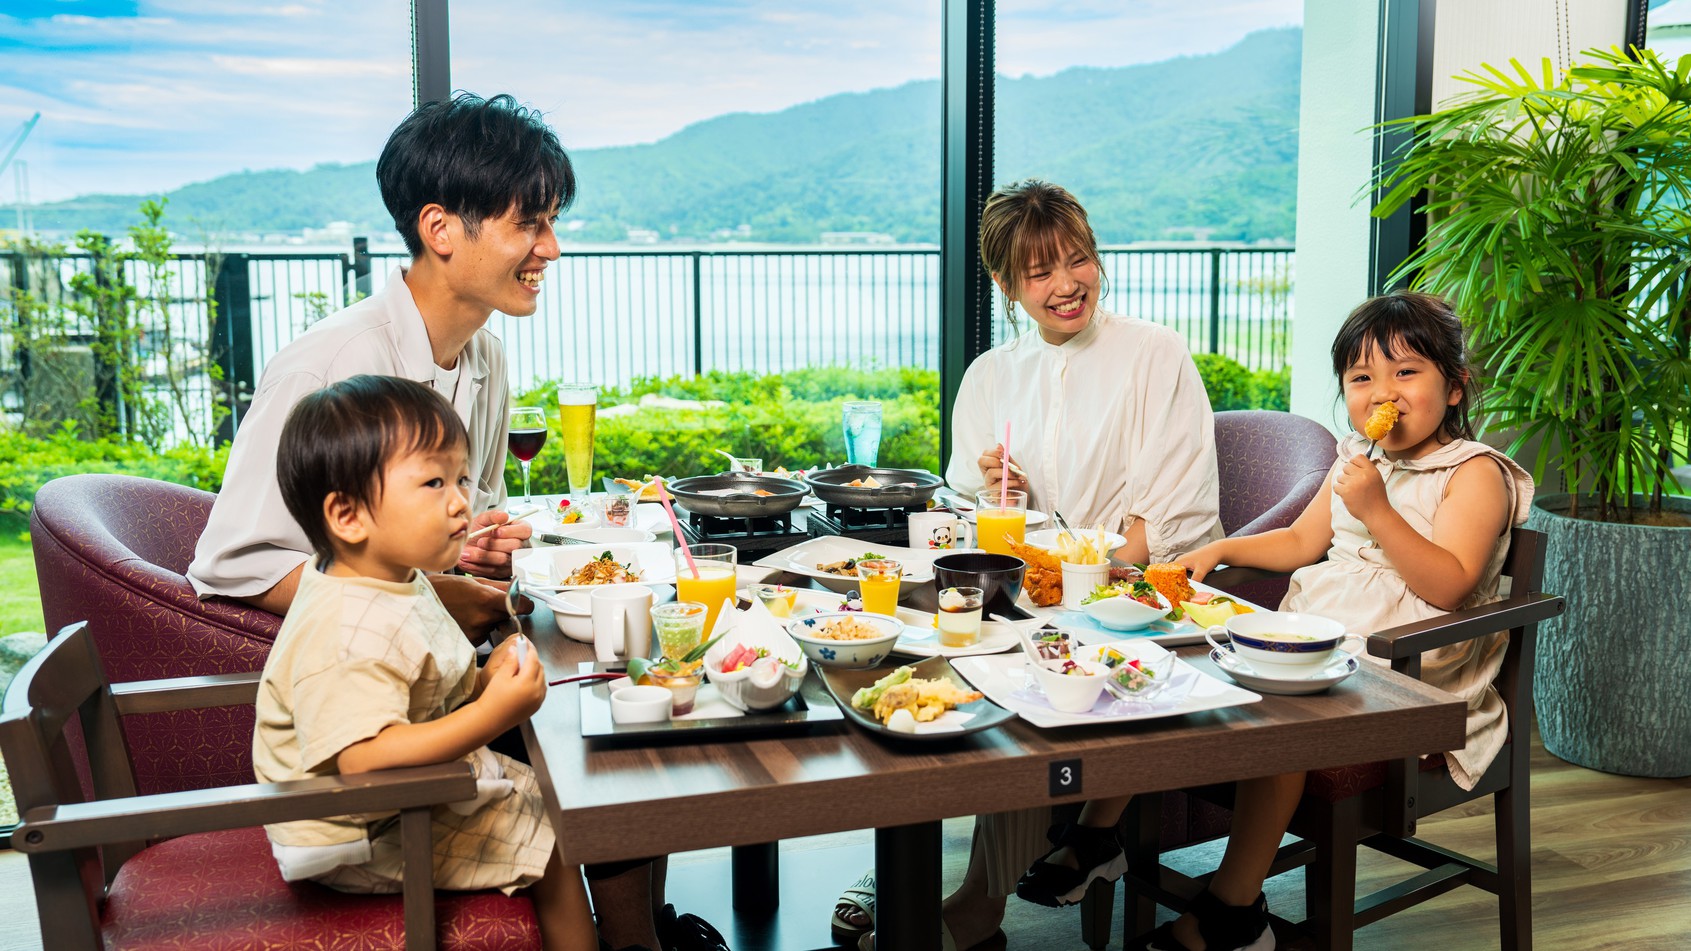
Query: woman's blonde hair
{"x": 1030, "y": 221}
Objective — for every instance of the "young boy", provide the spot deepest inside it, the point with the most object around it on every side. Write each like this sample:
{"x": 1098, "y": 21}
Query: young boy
{"x": 371, "y": 672}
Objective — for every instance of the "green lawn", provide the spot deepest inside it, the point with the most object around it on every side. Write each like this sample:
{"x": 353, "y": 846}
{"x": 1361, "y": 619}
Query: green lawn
{"x": 20, "y": 610}
{"x": 20, "y": 597}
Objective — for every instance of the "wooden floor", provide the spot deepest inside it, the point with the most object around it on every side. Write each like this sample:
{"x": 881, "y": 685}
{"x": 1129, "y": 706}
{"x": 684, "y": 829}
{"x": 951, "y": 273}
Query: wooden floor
{"x": 1611, "y": 869}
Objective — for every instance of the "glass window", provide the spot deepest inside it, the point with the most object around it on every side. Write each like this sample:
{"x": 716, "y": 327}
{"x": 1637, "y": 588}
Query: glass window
{"x": 757, "y": 223}
{"x": 1177, "y": 129}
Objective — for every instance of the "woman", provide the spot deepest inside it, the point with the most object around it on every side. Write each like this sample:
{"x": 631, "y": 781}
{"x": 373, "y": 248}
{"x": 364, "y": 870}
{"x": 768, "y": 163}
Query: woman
{"x": 1112, "y": 427}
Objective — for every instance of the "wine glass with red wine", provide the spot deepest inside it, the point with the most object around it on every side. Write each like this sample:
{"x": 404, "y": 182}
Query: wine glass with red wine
{"x": 527, "y": 435}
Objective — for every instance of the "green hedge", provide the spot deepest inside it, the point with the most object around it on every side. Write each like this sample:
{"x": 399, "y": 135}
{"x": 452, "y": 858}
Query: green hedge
{"x": 793, "y": 419}
{"x": 790, "y": 419}
{"x": 28, "y": 462}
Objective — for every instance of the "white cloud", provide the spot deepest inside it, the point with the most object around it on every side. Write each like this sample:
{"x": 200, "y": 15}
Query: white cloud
{"x": 190, "y": 90}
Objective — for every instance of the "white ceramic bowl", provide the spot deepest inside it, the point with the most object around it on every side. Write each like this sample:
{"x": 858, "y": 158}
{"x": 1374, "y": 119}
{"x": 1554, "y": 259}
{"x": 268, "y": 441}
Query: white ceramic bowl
{"x": 763, "y": 688}
{"x": 641, "y": 704}
{"x": 1281, "y": 643}
{"x": 846, "y": 654}
{"x": 1066, "y": 692}
{"x": 1122, "y": 613}
{"x": 1046, "y": 538}
{"x": 611, "y": 536}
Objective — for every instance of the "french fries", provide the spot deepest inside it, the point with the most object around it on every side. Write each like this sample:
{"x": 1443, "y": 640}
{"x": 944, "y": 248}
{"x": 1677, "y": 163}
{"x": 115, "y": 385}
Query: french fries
{"x": 1083, "y": 550}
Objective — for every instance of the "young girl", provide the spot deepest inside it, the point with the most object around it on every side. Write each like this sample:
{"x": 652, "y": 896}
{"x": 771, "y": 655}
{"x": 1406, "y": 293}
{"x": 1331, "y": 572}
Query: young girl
{"x": 370, "y": 672}
{"x": 1111, "y": 426}
{"x": 1416, "y": 531}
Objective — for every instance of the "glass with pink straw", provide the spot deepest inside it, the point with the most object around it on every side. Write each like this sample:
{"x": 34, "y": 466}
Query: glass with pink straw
{"x": 703, "y": 573}
{"x": 1001, "y": 517}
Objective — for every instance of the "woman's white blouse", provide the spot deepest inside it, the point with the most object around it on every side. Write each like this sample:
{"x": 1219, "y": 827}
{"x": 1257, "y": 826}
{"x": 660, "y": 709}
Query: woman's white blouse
{"x": 1111, "y": 426}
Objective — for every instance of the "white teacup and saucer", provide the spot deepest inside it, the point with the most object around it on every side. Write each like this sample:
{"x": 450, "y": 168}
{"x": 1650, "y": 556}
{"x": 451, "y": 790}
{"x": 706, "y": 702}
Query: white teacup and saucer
{"x": 1282, "y": 652}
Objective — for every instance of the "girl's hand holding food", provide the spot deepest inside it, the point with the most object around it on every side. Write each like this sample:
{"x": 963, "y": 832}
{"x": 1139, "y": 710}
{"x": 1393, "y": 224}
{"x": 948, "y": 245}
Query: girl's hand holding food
{"x": 991, "y": 465}
{"x": 1361, "y": 488}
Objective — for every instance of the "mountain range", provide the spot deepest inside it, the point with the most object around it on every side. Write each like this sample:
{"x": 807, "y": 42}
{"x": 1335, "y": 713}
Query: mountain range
{"x": 1192, "y": 147}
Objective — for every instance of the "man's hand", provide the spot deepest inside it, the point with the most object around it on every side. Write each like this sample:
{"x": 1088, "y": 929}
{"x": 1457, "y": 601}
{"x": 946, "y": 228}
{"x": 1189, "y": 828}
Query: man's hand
{"x": 490, "y": 555}
{"x": 477, "y": 606}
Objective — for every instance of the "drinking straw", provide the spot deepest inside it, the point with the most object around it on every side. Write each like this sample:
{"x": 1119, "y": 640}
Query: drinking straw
{"x": 675, "y": 525}
{"x": 1004, "y": 482}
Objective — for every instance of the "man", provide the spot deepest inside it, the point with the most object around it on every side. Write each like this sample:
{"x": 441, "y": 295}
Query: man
{"x": 474, "y": 186}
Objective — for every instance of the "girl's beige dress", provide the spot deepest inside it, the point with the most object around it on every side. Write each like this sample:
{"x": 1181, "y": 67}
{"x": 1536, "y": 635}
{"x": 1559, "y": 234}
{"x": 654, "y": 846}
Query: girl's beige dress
{"x": 1358, "y": 586}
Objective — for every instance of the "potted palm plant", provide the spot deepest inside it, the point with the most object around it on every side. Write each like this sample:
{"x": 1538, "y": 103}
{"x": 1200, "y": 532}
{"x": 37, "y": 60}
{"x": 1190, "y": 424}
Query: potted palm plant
{"x": 1558, "y": 223}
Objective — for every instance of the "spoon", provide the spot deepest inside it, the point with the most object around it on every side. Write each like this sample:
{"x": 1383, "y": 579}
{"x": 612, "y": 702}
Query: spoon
{"x": 512, "y": 594}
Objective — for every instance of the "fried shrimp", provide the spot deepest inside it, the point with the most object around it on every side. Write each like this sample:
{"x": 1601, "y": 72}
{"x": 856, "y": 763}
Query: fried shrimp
{"x": 1044, "y": 579}
{"x": 1380, "y": 424}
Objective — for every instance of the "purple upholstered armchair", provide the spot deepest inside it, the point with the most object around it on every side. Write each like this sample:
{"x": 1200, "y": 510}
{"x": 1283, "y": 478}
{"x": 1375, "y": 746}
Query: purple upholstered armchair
{"x": 1271, "y": 464}
{"x": 112, "y": 550}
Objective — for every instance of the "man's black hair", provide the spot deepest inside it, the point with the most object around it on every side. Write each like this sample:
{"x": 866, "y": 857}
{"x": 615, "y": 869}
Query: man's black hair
{"x": 477, "y": 158}
{"x": 340, "y": 439}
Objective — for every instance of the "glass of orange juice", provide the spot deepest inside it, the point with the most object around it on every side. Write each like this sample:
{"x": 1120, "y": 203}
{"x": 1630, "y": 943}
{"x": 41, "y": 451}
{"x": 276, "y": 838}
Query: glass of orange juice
{"x": 878, "y": 582}
{"x": 713, "y": 584}
{"x": 997, "y": 516}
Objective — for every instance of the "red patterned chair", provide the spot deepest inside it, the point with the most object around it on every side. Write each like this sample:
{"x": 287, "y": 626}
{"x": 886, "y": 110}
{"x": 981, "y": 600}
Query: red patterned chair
{"x": 1379, "y": 804}
{"x": 112, "y": 550}
{"x": 212, "y": 885}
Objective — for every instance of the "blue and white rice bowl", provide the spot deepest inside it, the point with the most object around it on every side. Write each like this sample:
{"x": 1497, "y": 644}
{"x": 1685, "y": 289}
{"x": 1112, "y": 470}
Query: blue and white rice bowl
{"x": 849, "y": 655}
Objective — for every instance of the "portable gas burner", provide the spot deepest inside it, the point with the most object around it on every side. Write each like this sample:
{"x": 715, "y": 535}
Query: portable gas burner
{"x": 753, "y": 537}
{"x": 882, "y": 526}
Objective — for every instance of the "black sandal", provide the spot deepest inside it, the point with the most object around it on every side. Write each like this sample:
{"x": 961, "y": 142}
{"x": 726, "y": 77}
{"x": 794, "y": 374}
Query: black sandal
{"x": 687, "y": 932}
{"x": 1223, "y": 927}
{"x": 1097, "y": 853}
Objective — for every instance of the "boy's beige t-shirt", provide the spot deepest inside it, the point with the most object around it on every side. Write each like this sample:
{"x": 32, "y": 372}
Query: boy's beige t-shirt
{"x": 354, "y": 656}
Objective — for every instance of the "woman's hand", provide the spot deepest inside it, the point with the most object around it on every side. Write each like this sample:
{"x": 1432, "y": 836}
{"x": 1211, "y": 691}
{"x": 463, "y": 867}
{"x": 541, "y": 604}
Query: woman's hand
{"x": 991, "y": 465}
{"x": 490, "y": 555}
{"x": 1201, "y": 561}
{"x": 1362, "y": 490}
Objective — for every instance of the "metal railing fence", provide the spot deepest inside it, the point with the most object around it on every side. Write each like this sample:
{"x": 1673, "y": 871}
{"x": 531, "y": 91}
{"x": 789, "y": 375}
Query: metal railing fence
{"x": 609, "y": 316}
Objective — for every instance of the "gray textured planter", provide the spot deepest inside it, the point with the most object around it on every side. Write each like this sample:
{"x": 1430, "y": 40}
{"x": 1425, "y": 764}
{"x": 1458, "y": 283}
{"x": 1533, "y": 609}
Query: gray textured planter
{"x": 1613, "y": 680}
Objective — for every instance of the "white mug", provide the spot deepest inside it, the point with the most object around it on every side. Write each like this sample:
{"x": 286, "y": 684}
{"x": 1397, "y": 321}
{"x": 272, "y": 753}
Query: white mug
{"x": 622, "y": 622}
{"x": 936, "y": 531}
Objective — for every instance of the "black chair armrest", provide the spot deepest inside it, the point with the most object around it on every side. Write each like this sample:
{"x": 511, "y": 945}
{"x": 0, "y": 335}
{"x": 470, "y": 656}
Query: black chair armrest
{"x": 186, "y": 693}
{"x": 1233, "y": 576}
{"x": 1409, "y": 640}
{"x": 162, "y": 815}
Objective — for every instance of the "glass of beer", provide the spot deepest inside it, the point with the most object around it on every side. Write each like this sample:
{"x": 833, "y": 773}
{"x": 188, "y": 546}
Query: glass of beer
{"x": 878, "y": 580}
{"x": 997, "y": 520}
{"x": 715, "y": 582}
{"x": 578, "y": 405}
{"x": 525, "y": 435}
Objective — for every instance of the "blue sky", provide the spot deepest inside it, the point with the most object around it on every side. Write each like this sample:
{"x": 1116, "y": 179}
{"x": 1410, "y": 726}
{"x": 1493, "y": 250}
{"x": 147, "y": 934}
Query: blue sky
{"x": 148, "y": 95}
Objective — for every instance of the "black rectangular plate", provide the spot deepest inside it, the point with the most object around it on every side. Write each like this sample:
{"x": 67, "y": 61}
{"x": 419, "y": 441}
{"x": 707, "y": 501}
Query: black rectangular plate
{"x": 810, "y": 706}
{"x": 843, "y": 683}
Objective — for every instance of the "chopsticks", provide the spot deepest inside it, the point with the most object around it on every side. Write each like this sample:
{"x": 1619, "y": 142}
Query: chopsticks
{"x": 516, "y": 516}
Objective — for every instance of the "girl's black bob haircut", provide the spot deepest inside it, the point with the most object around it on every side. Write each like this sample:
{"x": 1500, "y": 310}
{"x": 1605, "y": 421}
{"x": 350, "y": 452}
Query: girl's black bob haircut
{"x": 341, "y": 438}
{"x": 1423, "y": 324}
{"x": 477, "y": 158}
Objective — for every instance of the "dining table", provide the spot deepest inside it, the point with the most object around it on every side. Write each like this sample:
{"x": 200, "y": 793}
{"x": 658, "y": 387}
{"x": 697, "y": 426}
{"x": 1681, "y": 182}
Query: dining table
{"x": 618, "y": 801}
